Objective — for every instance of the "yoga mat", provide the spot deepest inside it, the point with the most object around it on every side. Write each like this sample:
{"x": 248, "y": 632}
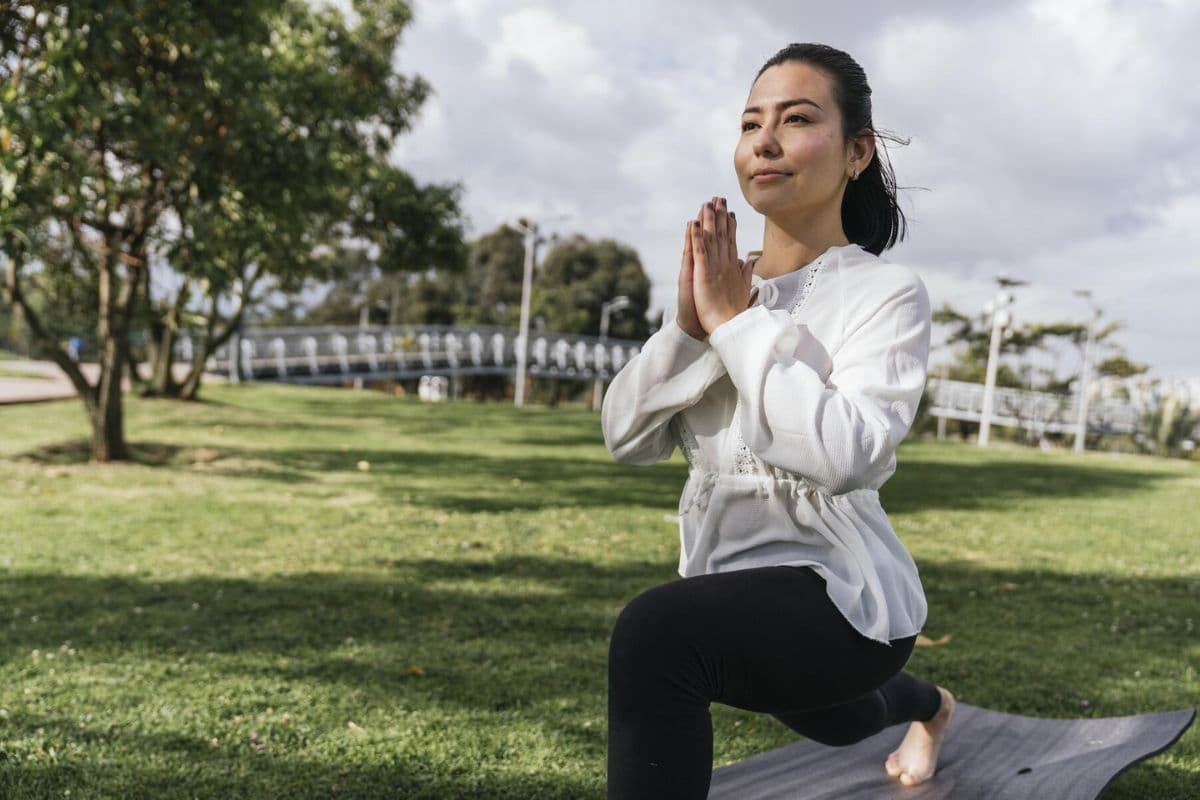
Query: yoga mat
{"x": 987, "y": 755}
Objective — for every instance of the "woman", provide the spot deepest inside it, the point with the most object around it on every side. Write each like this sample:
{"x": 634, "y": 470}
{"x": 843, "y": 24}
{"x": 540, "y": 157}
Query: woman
{"x": 787, "y": 380}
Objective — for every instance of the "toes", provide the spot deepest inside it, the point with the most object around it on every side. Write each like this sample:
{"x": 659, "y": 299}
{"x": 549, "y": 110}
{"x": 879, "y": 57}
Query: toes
{"x": 909, "y": 779}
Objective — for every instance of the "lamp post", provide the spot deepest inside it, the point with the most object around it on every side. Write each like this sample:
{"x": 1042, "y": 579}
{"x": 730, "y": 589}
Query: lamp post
{"x": 616, "y": 304}
{"x": 523, "y": 331}
{"x": 1001, "y": 320}
{"x": 531, "y": 241}
{"x": 1085, "y": 375}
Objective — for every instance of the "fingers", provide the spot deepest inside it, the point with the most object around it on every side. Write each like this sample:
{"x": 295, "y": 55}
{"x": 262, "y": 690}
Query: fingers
{"x": 708, "y": 218}
{"x": 701, "y": 237}
{"x": 719, "y": 226}
{"x": 722, "y": 222}
{"x": 731, "y": 234}
{"x": 685, "y": 271}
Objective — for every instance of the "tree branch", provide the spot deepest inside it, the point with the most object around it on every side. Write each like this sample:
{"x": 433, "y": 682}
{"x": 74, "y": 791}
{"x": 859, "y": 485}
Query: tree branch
{"x": 57, "y": 354}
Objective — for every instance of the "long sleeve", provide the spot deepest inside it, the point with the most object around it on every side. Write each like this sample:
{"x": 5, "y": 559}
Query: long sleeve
{"x": 837, "y": 433}
{"x": 669, "y": 373}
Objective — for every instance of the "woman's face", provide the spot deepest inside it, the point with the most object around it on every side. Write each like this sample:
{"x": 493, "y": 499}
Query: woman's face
{"x": 792, "y": 125}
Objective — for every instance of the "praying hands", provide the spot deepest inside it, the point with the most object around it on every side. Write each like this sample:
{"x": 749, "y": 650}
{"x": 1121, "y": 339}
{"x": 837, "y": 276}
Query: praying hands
{"x": 714, "y": 284}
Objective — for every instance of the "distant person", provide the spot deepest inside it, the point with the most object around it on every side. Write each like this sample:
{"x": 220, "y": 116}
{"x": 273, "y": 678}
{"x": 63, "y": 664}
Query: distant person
{"x": 787, "y": 380}
{"x": 75, "y": 347}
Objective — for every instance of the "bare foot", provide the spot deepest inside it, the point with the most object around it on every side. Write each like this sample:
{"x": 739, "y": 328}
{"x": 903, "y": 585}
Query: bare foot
{"x": 916, "y": 759}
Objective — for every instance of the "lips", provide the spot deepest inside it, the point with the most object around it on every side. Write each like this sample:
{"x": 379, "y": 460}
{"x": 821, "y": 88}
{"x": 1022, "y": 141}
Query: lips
{"x": 767, "y": 176}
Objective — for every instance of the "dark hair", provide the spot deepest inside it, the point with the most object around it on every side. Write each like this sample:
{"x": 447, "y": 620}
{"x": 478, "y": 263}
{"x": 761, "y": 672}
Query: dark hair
{"x": 871, "y": 217}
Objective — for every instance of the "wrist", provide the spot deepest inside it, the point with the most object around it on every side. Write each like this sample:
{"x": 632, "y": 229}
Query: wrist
{"x": 698, "y": 335}
{"x": 717, "y": 320}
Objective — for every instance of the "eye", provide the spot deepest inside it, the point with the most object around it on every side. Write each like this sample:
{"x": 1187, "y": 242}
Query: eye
{"x": 746, "y": 126}
{"x": 799, "y": 117}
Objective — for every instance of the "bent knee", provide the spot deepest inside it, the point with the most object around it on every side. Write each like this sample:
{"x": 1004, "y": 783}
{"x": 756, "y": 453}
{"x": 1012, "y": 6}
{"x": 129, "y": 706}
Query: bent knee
{"x": 647, "y": 622}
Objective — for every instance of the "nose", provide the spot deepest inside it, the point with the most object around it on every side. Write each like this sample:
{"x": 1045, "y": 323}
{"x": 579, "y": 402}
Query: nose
{"x": 764, "y": 141}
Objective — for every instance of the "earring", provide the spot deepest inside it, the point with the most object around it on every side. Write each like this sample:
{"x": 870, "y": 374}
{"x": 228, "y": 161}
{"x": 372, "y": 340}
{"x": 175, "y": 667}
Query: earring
{"x": 855, "y": 176}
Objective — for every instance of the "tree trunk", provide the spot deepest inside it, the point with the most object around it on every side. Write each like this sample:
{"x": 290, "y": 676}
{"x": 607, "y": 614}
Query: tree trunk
{"x": 162, "y": 378}
{"x": 108, "y": 437}
{"x": 394, "y": 306}
{"x": 108, "y": 421}
{"x": 214, "y": 339}
{"x": 164, "y": 333}
{"x": 107, "y": 416}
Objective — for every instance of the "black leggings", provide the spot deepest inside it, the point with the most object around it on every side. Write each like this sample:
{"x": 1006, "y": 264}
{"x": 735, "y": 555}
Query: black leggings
{"x": 766, "y": 639}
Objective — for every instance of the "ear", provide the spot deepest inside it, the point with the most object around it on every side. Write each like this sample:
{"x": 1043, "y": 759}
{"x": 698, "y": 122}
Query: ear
{"x": 860, "y": 151}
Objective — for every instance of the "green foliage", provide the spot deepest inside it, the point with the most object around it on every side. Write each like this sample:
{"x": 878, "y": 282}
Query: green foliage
{"x": 1168, "y": 424}
{"x": 490, "y": 290}
{"x": 578, "y": 275}
{"x": 973, "y": 335}
{"x": 570, "y": 283}
{"x": 1121, "y": 367}
{"x": 225, "y": 143}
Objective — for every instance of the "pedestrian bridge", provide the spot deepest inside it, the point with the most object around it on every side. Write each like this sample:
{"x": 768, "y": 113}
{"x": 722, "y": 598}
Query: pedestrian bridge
{"x": 336, "y": 354}
{"x": 1039, "y": 412}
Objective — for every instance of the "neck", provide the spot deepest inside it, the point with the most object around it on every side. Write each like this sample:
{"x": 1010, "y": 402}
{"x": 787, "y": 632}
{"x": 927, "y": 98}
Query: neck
{"x": 789, "y": 245}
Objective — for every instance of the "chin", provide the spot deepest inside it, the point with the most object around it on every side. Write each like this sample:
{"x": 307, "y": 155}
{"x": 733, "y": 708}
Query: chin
{"x": 768, "y": 206}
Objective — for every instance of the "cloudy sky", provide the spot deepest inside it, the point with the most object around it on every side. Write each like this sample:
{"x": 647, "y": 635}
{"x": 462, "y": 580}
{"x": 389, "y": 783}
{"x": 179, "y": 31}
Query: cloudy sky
{"x": 1053, "y": 140}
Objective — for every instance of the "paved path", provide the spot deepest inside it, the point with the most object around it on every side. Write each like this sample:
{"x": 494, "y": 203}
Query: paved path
{"x": 46, "y": 381}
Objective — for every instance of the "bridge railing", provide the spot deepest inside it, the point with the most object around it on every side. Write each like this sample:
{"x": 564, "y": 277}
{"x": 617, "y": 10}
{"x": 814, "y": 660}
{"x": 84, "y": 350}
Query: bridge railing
{"x": 334, "y": 353}
{"x": 1037, "y": 411}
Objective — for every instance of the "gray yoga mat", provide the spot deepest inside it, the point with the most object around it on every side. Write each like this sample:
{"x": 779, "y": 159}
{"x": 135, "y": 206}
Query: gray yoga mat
{"x": 986, "y": 755}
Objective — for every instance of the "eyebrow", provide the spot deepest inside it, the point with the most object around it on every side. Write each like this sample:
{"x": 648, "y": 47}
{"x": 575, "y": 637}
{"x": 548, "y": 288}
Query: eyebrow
{"x": 784, "y": 104}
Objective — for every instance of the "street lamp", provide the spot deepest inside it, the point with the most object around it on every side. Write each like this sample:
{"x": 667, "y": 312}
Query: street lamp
{"x": 1001, "y": 319}
{"x": 616, "y": 304}
{"x": 531, "y": 241}
{"x": 1081, "y": 421}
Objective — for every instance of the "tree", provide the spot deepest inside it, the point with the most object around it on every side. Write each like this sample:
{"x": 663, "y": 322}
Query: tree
{"x": 1169, "y": 422}
{"x": 413, "y": 229}
{"x": 975, "y": 334}
{"x": 489, "y": 291}
{"x": 226, "y": 140}
{"x": 313, "y": 193}
{"x": 83, "y": 176}
{"x": 1121, "y": 367}
{"x": 579, "y": 275}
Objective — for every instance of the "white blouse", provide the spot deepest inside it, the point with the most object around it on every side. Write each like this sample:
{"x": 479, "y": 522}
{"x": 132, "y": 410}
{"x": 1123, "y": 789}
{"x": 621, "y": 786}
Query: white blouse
{"x": 789, "y": 417}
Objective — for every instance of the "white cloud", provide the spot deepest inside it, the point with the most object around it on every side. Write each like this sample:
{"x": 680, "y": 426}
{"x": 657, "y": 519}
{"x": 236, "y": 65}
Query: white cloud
{"x": 560, "y": 52}
{"x": 1054, "y": 136}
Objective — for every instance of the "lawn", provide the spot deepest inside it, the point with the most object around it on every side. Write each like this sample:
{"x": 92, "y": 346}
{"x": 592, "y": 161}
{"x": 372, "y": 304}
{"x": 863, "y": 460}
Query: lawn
{"x": 314, "y": 593}
{"x": 24, "y": 374}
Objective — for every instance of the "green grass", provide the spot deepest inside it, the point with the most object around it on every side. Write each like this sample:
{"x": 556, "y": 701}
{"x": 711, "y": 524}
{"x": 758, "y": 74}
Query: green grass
{"x": 5, "y": 355}
{"x": 244, "y": 612}
{"x": 26, "y": 374}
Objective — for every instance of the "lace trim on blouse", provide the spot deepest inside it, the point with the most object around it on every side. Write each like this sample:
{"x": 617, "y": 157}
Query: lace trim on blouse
{"x": 745, "y": 462}
{"x": 686, "y": 441}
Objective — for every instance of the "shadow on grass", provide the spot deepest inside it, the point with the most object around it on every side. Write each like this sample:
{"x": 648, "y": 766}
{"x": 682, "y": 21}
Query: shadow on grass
{"x": 521, "y": 634}
{"x": 436, "y": 610}
{"x": 211, "y": 775}
{"x": 927, "y": 484}
{"x": 438, "y": 479}
{"x": 462, "y": 480}
{"x": 79, "y": 451}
